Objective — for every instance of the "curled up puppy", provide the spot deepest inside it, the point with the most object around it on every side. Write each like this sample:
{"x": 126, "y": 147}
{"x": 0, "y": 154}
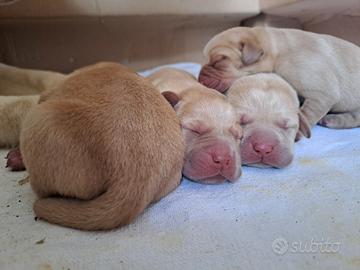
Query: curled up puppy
{"x": 269, "y": 113}
{"x": 19, "y": 92}
{"x": 209, "y": 125}
{"x": 13, "y": 110}
{"x": 324, "y": 70}
{"x": 16, "y": 81}
{"x": 100, "y": 148}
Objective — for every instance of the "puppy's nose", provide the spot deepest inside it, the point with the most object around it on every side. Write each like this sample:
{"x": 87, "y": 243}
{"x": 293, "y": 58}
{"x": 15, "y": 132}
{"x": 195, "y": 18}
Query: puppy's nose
{"x": 263, "y": 148}
{"x": 222, "y": 159}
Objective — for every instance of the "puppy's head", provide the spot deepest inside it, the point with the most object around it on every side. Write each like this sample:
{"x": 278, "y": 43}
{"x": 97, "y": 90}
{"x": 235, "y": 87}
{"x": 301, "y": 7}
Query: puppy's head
{"x": 268, "y": 110}
{"x": 227, "y": 54}
{"x": 212, "y": 135}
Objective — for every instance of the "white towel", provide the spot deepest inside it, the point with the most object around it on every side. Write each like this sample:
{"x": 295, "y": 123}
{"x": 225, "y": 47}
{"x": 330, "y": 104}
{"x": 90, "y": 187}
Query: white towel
{"x": 306, "y": 216}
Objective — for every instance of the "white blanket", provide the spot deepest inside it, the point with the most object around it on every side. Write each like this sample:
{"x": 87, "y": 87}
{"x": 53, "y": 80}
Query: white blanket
{"x": 306, "y": 216}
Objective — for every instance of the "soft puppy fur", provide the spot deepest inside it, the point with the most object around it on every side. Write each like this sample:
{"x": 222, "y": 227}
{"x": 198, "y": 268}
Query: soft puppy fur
{"x": 269, "y": 113}
{"x": 100, "y": 148}
{"x": 21, "y": 81}
{"x": 324, "y": 70}
{"x": 209, "y": 125}
{"x": 13, "y": 110}
{"x": 19, "y": 91}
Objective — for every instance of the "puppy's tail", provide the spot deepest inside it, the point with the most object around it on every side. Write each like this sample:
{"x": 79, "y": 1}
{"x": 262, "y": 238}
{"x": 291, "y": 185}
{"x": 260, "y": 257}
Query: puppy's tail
{"x": 109, "y": 210}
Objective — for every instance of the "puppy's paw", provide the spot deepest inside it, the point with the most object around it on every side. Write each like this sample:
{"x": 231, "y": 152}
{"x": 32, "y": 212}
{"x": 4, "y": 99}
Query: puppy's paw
{"x": 14, "y": 160}
{"x": 331, "y": 121}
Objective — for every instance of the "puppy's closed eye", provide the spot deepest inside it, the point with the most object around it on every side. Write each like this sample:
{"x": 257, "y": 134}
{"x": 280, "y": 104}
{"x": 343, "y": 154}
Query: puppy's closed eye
{"x": 245, "y": 119}
{"x": 197, "y": 127}
{"x": 285, "y": 124}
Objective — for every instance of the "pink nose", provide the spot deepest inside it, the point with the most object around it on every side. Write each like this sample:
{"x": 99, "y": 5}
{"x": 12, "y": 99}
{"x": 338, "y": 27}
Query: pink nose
{"x": 222, "y": 159}
{"x": 263, "y": 148}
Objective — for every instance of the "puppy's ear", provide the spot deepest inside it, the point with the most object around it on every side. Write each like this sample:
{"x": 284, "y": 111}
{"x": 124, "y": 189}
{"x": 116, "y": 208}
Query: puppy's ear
{"x": 250, "y": 52}
{"x": 304, "y": 126}
{"x": 171, "y": 97}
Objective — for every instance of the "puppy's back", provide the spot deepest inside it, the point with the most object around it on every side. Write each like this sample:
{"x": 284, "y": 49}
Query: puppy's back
{"x": 172, "y": 79}
{"x": 107, "y": 139}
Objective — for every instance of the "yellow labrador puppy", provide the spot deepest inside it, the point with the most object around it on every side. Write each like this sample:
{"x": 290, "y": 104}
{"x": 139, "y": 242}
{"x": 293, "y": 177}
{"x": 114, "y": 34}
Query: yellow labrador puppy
{"x": 323, "y": 69}
{"x": 209, "y": 125}
{"x": 269, "y": 113}
{"x": 100, "y": 148}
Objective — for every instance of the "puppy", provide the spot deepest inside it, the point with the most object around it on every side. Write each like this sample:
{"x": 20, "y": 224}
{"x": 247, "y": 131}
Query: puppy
{"x": 19, "y": 90}
{"x": 268, "y": 109}
{"x": 100, "y": 148}
{"x": 13, "y": 110}
{"x": 20, "y": 81}
{"x": 324, "y": 70}
{"x": 209, "y": 125}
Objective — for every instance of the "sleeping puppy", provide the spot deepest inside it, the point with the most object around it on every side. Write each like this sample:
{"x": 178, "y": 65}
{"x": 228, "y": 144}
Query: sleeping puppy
{"x": 100, "y": 148}
{"x": 209, "y": 125}
{"x": 268, "y": 109}
{"x": 13, "y": 110}
{"x": 324, "y": 70}
{"x": 16, "y": 81}
{"x": 19, "y": 91}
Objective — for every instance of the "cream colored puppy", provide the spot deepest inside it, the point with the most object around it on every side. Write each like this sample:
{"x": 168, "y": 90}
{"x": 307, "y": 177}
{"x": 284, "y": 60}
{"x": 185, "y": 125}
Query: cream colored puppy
{"x": 19, "y": 91}
{"x": 209, "y": 125}
{"x": 13, "y": 110}
{"x": 269, "y": 113}
{"x": 323, "y": 69}
{"x": 20, "y": 81}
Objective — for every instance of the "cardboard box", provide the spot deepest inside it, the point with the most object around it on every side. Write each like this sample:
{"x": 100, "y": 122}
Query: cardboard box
{"x": 64, "y": 35}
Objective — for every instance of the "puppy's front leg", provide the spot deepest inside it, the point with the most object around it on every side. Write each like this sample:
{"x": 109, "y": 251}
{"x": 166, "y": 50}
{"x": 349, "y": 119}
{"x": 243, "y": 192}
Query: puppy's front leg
{"x": 315, "y": 109}
{"x": 14, "y": 160}
{"x": 341, "y": 120}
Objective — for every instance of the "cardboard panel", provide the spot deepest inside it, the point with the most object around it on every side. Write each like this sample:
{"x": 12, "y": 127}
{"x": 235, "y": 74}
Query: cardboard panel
{"x": 63, "y": 44}
{"x": 334, "y": 17}
{"x": 64, "y": 35}
{"x": 310, "y": 11}
{"x": 272, "y": 21}
{"x": 69, "y": 8}
{"x": 346, "y": 27}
